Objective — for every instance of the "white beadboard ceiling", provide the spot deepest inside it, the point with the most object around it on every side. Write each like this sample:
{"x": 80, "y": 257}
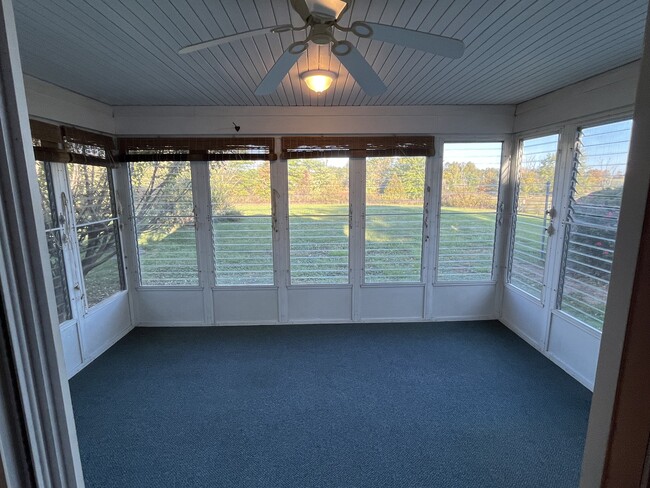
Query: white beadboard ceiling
{"x": 124, "y": 52}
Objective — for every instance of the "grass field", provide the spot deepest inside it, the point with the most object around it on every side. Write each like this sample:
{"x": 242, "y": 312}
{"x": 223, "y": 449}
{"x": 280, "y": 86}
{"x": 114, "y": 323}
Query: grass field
{"x": 319, "y": 236}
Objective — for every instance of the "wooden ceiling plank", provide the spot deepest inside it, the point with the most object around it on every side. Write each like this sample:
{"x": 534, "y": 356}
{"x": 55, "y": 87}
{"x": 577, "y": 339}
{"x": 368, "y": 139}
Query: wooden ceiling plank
{"x": 573, "y": 38}
{"x": 182, "y": 28}
{"x": 172, "y": 37}
{"x": 65, "y": 27}
{"x": 135, "y": 31}
{"x": 426, "y": 64}
{"x": 593, "y": 58}
{"x": 509, "y": 20}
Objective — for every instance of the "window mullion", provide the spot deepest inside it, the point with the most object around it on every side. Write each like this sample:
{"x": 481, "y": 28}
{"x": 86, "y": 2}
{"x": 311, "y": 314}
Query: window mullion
{"x": 433, "y": 175}
{"x": 357, "y": 230}
{"x": 280, "y": 212}
{"x": 204, "y": 242}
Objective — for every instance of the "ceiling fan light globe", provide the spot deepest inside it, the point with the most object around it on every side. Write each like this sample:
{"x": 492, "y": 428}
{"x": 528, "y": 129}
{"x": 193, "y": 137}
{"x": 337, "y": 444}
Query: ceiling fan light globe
{"x": 318, "y": 80}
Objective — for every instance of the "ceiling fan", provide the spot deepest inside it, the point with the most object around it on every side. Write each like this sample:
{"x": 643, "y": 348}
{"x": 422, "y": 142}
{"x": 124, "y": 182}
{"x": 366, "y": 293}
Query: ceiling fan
{"x": 321, "y": 21}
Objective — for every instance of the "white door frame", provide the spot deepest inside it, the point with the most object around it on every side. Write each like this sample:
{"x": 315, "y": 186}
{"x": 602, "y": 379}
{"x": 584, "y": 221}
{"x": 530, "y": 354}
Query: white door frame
{"x": 27, "y": 289}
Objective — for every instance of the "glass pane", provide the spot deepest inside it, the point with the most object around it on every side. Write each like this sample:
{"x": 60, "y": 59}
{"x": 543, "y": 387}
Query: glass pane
{"x": 54, "y": 243}
{"x": 242, "y": 222}
{"x": 48, "y": 206}
{"x": 470, "y": 192}
{"x": 91, "y": 193}
{"x": 57, "y": 264}
{"x": 164, "y": 223}
{"x": 319, "y": 220}
{"x": 167, "y": 251}
{"x": 99, "y": 260}
{"x": 596, "y": 200}
{"x": 534, "y": 200}
{"x": 394, "y": 213}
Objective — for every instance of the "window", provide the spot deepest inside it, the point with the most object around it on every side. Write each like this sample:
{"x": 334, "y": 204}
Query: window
{"x": 470, "y": 192}
{"x": 319, "y": 218}
{"x": 54, "y": 235}
{"x": 96, "y": 226}
{"x": 394, "y": 215}
{"x": 164, "y": 223}
{"x": 242, "y": 222}
{"x": 534, "y": 197}
{"x": 599, "y": 171}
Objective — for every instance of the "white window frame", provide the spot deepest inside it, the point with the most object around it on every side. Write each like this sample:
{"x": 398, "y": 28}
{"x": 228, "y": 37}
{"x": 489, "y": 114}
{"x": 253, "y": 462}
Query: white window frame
{"x": 498, "y": 262}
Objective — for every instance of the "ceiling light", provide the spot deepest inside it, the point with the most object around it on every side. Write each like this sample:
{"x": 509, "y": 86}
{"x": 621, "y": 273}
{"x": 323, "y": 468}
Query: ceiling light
{"x": 318, "y": 80}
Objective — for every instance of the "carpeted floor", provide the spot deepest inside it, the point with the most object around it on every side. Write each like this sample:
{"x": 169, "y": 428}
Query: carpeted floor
{"x": 464, "y": 404}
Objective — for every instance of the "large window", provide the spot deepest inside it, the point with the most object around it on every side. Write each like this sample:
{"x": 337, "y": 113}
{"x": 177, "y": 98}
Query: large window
{"x": 532, "y": 214}
{"x": 319, "y": 220}
{"x": 165, "y": 223}
{"x": 97, "y": 230}
{"x": 242, "y": 222}
{"x": 54, "y": 232}
{"x": 394, "y": 215}
{"x": 599, "y": 170}
{"x": 470, "y": 192}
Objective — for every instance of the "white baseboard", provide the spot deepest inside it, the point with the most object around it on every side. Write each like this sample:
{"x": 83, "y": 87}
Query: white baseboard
{"x": 452, "y": 318}
{"x": 98, "y": 352}
{"x": 532, "y": 342}
{"x": 557, "y": 361}
{"x": 571, "y": 372}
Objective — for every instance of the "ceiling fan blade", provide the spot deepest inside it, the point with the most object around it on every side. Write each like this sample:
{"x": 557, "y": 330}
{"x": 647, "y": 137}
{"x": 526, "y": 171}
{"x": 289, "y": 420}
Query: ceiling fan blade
{"x": 235, "y": 37}
{"x": 362, "y": 72}
{"x": 277, "y": 72}
{"x": 301, "y": 8}
{"x": 326, "y": 10}
{"x": 431, "y": 43}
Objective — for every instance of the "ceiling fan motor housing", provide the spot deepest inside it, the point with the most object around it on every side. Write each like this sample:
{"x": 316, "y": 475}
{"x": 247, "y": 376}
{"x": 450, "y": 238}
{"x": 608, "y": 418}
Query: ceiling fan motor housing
{"x": 321, "y": 34}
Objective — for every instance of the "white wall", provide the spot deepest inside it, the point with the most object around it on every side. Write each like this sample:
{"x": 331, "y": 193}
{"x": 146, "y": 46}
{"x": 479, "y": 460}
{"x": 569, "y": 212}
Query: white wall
{"x": 613, "y": 91}
{"x": 52, "y": 103}
{"x": 87, "y": 338}
{"x": 444, "y": 119}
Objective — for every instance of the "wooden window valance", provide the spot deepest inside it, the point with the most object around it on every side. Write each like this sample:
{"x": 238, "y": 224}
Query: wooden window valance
{"x": 197, "y": 149}
{"x": 46, "y": 135}
{"x": 305, "y": 147}
{"x": 63, "y": 144}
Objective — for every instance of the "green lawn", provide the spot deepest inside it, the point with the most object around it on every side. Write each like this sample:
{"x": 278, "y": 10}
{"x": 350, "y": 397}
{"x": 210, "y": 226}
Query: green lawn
{"x": 319, "y": 246}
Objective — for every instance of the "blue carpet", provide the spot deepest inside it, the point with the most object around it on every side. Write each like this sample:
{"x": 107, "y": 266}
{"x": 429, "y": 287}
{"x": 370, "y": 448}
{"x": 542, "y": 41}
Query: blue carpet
{"x": 464, "y": 404}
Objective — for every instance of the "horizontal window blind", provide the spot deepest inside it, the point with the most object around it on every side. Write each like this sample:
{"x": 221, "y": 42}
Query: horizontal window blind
{"x": 600, "y": 162}
{"x": 394, "y": 216}
{"x": 534, "y": 197}
{"x": 470, "y": 192}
